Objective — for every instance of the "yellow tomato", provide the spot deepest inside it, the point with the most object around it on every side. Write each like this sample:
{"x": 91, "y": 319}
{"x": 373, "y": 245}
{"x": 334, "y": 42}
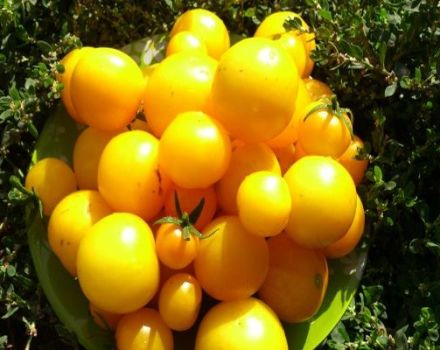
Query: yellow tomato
{"x": 253, "y": 89}
{"x": 194, "y": 150}
{"x": 323, "y": 201}
{"x": 105, "y": 320}
{"x": 285, "y": 156}
{"x": 128, "y": 174}
{"x": 117, "y": 266}
{"x": 317, "y": 89}
{"x": 348, "y": 242}
{"x": 186, "y": 41}
{"x": 232, "y": 263}
{"x": 245, "y": 159}
{"x": 247, "y": 324}
{"x": 206, "y": 25}
{"x": 51, "y": 179}
{"x": 290, "y": 134}
{"x": 356, "y": 167}
{"x": 273, "y": 27}
{"x": 143, "y": 329}
{"x": 179, "y": 301}
{"x": 263, "y": 201}
{"x": 106, "y": 88}
{"x": 69, "y": 62}
{"x": 69, "y": 222}
{"x": 297, "y": 280}
{"x": 323, "y": 133}
{"x": 86, "y": 154}
{"x": 181, "y": 83}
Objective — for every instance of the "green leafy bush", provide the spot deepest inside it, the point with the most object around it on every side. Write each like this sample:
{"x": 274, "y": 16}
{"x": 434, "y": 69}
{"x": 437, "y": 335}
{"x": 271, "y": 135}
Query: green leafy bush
{"x": 382, "y": 58}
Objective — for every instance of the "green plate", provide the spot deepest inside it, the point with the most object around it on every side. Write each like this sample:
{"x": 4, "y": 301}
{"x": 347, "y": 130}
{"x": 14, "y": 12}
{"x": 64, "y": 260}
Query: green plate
{"x": 63, "y": 292}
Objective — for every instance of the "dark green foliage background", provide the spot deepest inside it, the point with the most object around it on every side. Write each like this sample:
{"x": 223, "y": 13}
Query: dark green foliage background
{"x": 382, "y": 58}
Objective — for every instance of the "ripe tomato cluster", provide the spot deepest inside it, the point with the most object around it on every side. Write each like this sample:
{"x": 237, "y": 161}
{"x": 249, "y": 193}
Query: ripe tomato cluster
{"x": 240, "y": 182}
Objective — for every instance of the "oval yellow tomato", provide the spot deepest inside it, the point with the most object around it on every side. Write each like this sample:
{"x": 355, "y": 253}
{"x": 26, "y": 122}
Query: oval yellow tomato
{"x": 206, "y": 25}
{"x": 128, "y": 174}
{"x": 143, "y": 329}
{"x": 241, "y": 324}
{"x": 297, "y": 280}
{"x": 356, "y": 167}
{"x": 232, "y": 263}
{"x": 69, "y": 222}
{"x": 317, "y": 89}
{"x": 179, "y": 301}
{"x": 323, "y": 201}
{"x": 117, "y": 266}
{"x": 263, "y": 201}
{"x": 194, "y": 150}
{"x": 106, "y": 88}
{"x": 51, "y": 179}
{"x": 185, "y": 41}
{"x": 180, "y": 83}
{"x": 253, "y": 89}
{"x": 245, "y": 159}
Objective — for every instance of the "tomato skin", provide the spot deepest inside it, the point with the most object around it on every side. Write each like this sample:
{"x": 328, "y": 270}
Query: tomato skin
{"x": 356, "y": 167}
{"x": 253, "y": 89}
{"x": 189, "y": 199}
{"x": 323, "y": 201}
{"x": 179, "y": 301}
{"x": 232, "y": 263}
{"x": 117, "y": 266}
{"x": 143, "y": 329}
{"x": 264, "y": 203}
{"x": 180, "y": 83}
{"x": 106, "y": 88}
{"x": 247, "y": 324}
{"x": 172, "y": 249}
{"x": 208, "y": 26}
{"x": 322, "y": 133}
{"x": 185, "y": 41}
{"x": 51, "y": 179}
{"x": 317, "y": 89}
{"x": 296, "y": 282}
{"x": 198, "y": 135}
{"x": 245, "y": 159}
{"x": 348, "y": 242}
{"x": 128, "y": 174}
{"x": 69, "y": 222}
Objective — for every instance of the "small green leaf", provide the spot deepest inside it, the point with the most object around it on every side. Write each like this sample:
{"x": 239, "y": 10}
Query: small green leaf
{"x": 377, "y": 174}
{"x": 390, "y": 90}
{"x": 10, "y": 270}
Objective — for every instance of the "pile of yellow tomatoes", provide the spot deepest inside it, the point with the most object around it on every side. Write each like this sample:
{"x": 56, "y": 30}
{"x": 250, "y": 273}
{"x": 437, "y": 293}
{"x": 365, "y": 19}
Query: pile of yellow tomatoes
{"x": 222, "y": 171}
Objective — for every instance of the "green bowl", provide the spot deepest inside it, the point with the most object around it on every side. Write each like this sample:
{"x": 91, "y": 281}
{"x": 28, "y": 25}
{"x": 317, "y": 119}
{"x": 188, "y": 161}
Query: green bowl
{"x": 63, "y": 291}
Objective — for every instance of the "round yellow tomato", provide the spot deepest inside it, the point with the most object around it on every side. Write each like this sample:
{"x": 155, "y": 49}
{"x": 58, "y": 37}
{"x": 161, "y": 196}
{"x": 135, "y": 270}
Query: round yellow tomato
{"x": 69, "y": 222}
{"x": 317, "y": 89}
{"x": 290, "y": 134}
{"x": 143, "y": 329}
{"x": 117, "y": 266}
{"x": 194, "y": 150}
{"x": 323, "y": 201}
{"x": 128, "y": 174}
{"x": 263, "y": 201}
{"x": 106, "y": 88}
{"x": 232, "y": 263}
{"x": 323, "y": 133}
{"x": 105, "y": 320}
{"x": 179, "y": 301}
{"x": 348, "y": 242}
{"x": 51, "y": 179}
{"x": 356, "y": 167}
{"x": 182, "y": 82}
{"x": 86, "y": 154}
{"x": 285, "y": 156}
{"x": 173, "y": 250}
{"x": 69, "y": 62}
{"x": 273, "y": 27}
{"x": 247, "y": 324}
{"x": 297, "y": 280}
{"x": 185, "y": 41}
{"x": 206, "y": 25}
{"x": 253, "y": 89}
{"x": 245, "y": 159}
